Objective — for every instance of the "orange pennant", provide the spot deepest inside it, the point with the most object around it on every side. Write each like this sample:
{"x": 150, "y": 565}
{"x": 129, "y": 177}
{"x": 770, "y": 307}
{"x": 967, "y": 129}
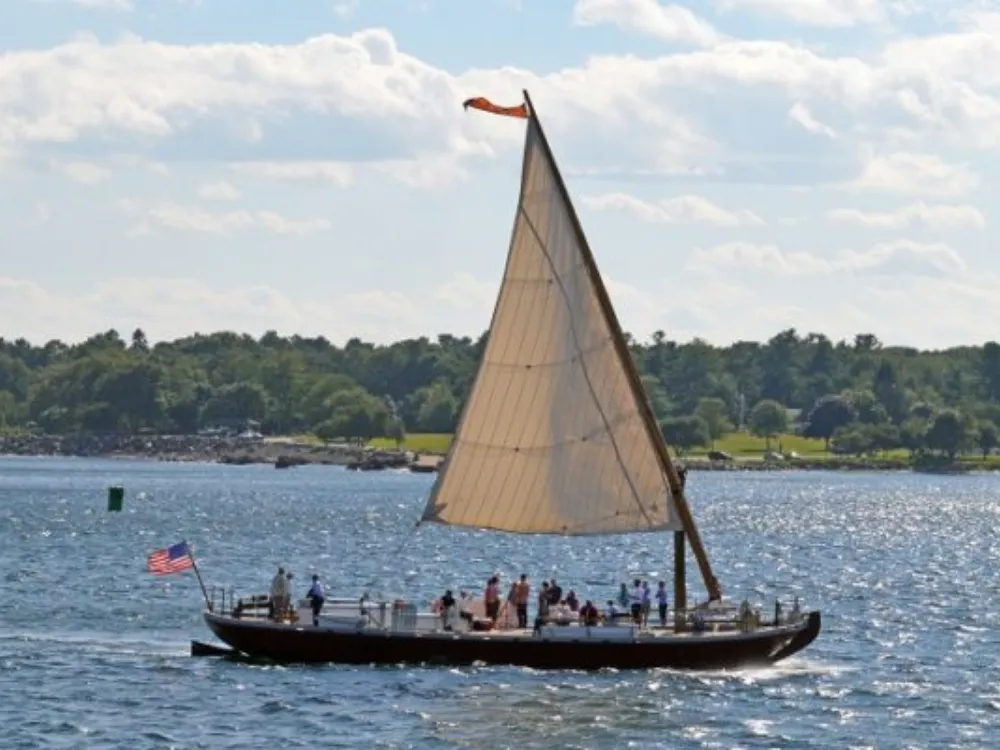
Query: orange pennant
{"x": 486, "y": 105}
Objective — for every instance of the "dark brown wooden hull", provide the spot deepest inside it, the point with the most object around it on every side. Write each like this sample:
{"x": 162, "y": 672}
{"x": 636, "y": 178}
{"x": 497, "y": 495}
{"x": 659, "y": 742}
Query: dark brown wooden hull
{"x": 305, "y": 644}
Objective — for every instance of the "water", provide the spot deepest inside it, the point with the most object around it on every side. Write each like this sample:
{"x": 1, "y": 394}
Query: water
{"x": 93, "y": 651}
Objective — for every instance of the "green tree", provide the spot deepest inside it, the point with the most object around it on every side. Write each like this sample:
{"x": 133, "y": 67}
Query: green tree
{"x": 854, "y": 439}
{"x": 358, "y": 415}
{"x": 828, "y": 414}
{"x": 436, "y": 408}
{"x": 685, "y": 433}
{"x": 987, "y": 438}
{"x": 866, "y": 406}
{"x": 236, "y": 403}
{"x": 948, "y": 433}
{"x": 913, "y": 435}
{"x": 888, "y": 391}
{"x": 396, "y": 431}
{"x": 768, "y": 419}
{"x": 658, "y": 399}
{"x": 714, "y": 414}
{"x": 329, "y": 430}
{"x": 989, "y": 370}
{"x": 139, "y": 342}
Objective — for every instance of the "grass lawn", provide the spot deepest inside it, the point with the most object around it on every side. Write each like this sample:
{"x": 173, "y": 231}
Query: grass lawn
{"x": 427, "y": 442}
{"x": 739, "y": 444}
{"x": 736, "y": 444}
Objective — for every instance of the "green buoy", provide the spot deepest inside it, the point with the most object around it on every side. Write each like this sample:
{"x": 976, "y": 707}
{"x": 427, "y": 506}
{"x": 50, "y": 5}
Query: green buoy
{"x": 116, "y": 499}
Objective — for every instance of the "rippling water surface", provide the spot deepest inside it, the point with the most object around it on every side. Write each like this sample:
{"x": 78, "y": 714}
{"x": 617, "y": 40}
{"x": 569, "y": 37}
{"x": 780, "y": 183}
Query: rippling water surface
{"x": 94, "y": 651}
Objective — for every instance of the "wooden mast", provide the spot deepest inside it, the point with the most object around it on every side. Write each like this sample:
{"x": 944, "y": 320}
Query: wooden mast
{"x": 645, "y": 410}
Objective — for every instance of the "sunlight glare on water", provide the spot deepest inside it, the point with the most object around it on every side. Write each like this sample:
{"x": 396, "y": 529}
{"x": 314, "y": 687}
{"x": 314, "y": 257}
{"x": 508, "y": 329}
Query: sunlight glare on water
{"x": 94, "y": 651}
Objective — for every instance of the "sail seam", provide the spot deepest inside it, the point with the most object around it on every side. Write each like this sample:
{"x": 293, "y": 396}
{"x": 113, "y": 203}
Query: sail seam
{"x": 490, "y": 478}
{"x": 583, "y": 364}
{"x": 616, "y": 421}
{"x": 550, "y": 363}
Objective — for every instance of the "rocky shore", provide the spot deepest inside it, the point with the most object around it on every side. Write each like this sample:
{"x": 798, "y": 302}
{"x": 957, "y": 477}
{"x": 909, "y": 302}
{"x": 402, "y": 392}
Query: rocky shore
{"x": 278, "y": 451}
{"x": 288, "y": 452}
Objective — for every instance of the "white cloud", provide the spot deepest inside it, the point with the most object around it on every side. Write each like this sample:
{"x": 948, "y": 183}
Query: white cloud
{"x": 940, "y": 216}
{"x": 899, "y": 256}
{"x": 733, "y": 255}
{"x": 905, "y": 172}
{"x": 673, "y": 23}
{"x": 964, "y": 310}
{"x": 643, "y": 111}
{"x": 218, "y": 191}
{"x": 831, "y": 13}
{"x": 135, "y": 89}
{"x": 426, "y": 172}
{"x": 800, "y": 113}
{"x": 226, "y": 223}
{"x": 465, "y": 292}
{"x": 338, "y": 173}
{"x": 243, "y": 105}
{"x": 685, "y": 209}
{"x": 81, "y": 171}
{"x": 168, "y": 308}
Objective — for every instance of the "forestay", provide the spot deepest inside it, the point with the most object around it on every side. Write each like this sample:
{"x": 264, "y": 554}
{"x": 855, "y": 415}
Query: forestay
{"x": 551, "y": 439}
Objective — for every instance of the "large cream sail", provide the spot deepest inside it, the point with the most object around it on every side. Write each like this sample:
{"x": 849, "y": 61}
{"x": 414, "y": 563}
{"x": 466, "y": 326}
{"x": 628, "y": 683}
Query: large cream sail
{"x": 551, "y": 439}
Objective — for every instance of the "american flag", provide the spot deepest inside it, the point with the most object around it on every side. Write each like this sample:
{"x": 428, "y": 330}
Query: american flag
{"x": 174, "y": 559}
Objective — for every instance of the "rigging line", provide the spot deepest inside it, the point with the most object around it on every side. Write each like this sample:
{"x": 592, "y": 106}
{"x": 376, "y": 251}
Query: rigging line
{"x": 583, "y": 364}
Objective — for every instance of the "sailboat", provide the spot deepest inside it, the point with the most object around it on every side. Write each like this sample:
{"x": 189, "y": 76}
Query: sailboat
{"x": 556, "y": 436}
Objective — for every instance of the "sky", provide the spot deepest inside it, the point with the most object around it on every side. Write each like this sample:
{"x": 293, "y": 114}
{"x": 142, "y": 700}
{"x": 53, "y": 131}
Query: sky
{"x": 740, "y": 167}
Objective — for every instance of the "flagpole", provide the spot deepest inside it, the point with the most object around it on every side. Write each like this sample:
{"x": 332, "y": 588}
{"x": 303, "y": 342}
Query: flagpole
{"x": 194, "y": 566}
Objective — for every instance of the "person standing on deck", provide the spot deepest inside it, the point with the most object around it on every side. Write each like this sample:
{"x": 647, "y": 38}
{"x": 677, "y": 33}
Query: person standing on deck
{"x": 491, "y": 598}
{"x": 279, "y": 594}
{"x": 555, "y": 592}
{"x": 543, "y": 606}
{"x": 316, "y": 598}
{"x": 522, "y": 594}
{"x": 447, "y": 609}
{"x": 647, "y": 604}
{"x": 661, "y": 603}
{"x": 637, "y": 601}
{"x": 623, "y": 597}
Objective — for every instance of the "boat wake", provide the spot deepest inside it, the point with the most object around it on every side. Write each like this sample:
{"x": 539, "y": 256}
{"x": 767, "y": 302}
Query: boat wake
{"x": 786, "y": 669}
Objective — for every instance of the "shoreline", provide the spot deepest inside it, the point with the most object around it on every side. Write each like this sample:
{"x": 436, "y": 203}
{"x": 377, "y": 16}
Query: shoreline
{"x": 288, "y": 452}
{"x": 188, "y": 449}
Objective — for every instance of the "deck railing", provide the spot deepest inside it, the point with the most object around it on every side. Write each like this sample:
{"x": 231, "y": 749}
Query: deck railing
{"x": 400, "y": 615}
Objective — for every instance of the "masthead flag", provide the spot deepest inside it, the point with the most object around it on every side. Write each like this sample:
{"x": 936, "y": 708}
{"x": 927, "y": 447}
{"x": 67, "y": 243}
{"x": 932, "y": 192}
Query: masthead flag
{"x": 481, "y": 103}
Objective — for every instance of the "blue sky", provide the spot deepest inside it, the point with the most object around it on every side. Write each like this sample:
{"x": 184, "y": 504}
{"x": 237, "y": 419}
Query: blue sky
{"x": 740, "y": 166}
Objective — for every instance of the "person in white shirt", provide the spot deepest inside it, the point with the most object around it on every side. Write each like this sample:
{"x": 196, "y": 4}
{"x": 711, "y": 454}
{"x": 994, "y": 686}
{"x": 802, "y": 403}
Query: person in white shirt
{"x": 562, "y": 612}
{"x": 637, "y": 601}
{"x": 279, "y": 594}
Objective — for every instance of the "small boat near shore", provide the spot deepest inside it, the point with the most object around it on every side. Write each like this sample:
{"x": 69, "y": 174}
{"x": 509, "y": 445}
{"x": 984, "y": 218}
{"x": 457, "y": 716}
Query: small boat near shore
{"x": 556, "y": 437}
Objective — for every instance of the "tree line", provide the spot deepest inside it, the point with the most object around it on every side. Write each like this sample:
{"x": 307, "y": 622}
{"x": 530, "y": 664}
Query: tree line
{"x": 859, "y": 395}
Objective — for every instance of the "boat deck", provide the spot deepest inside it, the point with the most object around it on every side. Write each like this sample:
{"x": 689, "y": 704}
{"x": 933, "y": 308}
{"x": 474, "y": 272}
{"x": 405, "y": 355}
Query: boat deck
{"x": 398, "y": 618}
